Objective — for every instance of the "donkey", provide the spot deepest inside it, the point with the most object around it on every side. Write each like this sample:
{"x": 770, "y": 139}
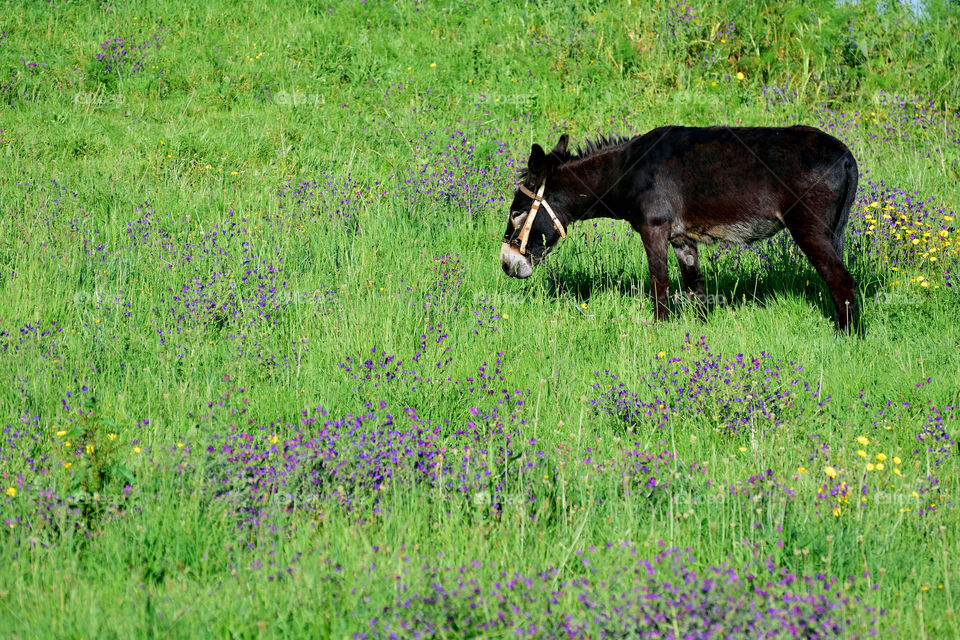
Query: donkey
{"x": 682, "y": 186}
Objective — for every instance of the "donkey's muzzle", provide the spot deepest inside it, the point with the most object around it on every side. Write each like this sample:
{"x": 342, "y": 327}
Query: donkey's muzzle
{"x": 514, "y": 263}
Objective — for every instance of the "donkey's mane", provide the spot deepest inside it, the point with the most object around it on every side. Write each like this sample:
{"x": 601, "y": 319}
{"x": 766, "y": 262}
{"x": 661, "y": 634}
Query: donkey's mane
{"x": 590, "y": 148}
{"x": 593, "y": 147}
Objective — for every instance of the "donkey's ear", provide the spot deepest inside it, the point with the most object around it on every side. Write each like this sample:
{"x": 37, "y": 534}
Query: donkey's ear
{"x": 537, "y": 164}
{"x": 561, "y": 148}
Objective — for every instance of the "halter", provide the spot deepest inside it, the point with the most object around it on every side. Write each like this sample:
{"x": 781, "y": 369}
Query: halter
{"x": 538, "y": 200}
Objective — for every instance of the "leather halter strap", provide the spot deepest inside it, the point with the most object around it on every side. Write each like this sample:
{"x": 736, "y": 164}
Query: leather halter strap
{"x": 538, "y": 201}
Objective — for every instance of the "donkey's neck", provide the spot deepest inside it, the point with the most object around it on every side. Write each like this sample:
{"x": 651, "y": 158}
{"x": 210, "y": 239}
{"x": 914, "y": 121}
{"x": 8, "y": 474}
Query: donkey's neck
{"x": 591, "y": 186}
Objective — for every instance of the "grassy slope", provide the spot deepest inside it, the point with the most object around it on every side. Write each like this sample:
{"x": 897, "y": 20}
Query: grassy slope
{"x": 204, "y": 129}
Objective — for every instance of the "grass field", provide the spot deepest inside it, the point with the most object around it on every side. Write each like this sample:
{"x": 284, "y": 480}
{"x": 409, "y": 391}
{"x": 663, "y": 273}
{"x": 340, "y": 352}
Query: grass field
{"x": 261, "y": 373}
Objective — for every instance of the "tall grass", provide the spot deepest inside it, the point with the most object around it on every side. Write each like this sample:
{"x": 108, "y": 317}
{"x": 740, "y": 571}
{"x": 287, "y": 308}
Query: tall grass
{"x": 248, "y": 265}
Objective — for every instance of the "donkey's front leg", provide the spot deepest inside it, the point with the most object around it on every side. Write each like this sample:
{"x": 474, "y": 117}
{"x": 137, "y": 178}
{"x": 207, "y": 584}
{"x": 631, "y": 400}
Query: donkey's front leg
{"x": 654, "y": 236}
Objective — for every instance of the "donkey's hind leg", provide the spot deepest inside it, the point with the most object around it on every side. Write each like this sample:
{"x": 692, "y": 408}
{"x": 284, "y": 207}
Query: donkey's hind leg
{"x": 816, "y": 242}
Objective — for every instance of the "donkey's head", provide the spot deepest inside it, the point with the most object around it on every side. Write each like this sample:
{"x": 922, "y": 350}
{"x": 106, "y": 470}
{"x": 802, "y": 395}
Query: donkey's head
{"x": 536, "y": 221}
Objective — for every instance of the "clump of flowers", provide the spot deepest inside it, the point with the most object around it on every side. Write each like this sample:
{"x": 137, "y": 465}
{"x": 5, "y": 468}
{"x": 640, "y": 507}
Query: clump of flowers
{"x": 337, "y": 198}
{"x": 834, "y": 491}
{"x": 123, "y": 55}
{"x": 681, "y": 19}
{"x": 735, "y": 394}
{"x": 940, "y": 447}
{"x": 864, "y": 473}
{"x": 917, "y": 239}
{"x": 83, "y": 480}
{"x": 622, "y": 591}
{"x": 765, "y": 496}
{"x": 33, "y": 68}
{"x": 376, "y": 368}
{"x": 90, "y": 443}
{"x": 456, "y": 175}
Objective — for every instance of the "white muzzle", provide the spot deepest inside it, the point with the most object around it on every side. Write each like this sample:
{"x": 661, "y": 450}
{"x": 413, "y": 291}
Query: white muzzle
{"x": 514, "y": 263}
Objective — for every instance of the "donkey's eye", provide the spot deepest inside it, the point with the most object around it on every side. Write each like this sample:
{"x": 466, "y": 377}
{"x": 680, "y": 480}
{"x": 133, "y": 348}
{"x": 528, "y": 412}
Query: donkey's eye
{"x": 517, "y": 218}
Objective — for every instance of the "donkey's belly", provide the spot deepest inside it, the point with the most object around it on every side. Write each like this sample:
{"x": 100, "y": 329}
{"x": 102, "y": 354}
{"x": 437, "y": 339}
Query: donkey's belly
{"x": 738, "y": 232}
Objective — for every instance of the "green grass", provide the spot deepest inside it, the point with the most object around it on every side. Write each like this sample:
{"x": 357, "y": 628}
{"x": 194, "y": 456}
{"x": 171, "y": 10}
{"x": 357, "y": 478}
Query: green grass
{"x": 210, "y": 132}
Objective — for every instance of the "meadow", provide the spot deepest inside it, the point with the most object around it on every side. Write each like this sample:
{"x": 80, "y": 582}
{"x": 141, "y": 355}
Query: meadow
{"x": 261, "y": 374}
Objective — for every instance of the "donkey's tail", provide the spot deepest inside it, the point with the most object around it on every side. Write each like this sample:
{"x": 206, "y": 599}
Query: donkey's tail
{"x": 853, "y": 176}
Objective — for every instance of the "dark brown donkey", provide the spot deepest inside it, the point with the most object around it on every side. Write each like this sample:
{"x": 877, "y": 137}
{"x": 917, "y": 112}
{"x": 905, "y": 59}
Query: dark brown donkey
{"x": 683, "y": 186}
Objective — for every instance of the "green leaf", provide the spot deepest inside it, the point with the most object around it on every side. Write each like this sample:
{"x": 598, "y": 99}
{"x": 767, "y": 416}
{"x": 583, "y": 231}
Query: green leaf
{"x": 120, "y": 471}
